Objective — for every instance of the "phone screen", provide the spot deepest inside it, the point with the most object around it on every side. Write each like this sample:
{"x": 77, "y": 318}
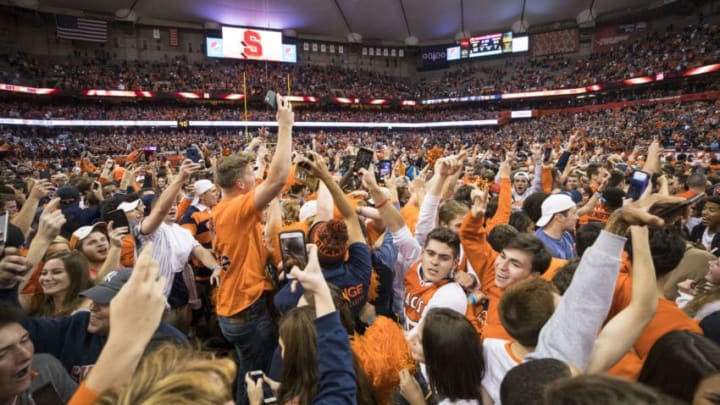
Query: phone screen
{"x": 638, "y": 183}
{"x": 268, "y": 395}
{"x": 385, "y": 168}
{"x": 304, "y": 176}
{"x": 193, "y": 155}
{"x": 118, "y": 218}
{"x": 271, "y": 99}
{"x": 364, "y": 159}
{"x": 4, "y": 219}
{"x": 292, "y": 250}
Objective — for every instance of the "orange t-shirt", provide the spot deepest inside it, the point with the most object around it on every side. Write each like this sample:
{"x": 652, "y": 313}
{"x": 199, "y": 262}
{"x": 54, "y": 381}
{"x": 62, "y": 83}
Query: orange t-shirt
{"x": 239, "y": 248}
{"x": 127, "y": 251}
{"x": 555, "y": 265}
{"x": 410, "y": 213}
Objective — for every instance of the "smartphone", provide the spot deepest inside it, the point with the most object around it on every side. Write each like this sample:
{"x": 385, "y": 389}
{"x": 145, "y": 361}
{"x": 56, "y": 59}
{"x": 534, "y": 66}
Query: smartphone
{"x": 363, "y": 159}
{"x": 118, "y": 218}
{"x": 292, "y": 249}
{"x": 192, "y": 154}
{"x": 548, "y": 153}
{"x": 96, "y": 185}
{"x": 46, "y": 395}
{"x": 271, "y": 99}
{"x": 638, "y": 183}
{"x": 4, "y": 220}
{"x": 667, "y": 211}
{"x": 385, "y": 167}
{"x": 268, "y": 395}
{"x": 302, "y": 174}
{"x": 45, "y": 174}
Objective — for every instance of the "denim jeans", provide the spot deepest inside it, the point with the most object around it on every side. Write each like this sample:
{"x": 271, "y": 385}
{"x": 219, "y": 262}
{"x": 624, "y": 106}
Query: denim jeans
{"x": 254, "y": 335}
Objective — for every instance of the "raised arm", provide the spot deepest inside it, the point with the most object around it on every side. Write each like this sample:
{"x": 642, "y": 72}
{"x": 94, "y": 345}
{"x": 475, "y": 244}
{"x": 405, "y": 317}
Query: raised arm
{"x": 504, "y": 207}
{"x": 570, "y": 333}
{"x": 318, "y": 169}
{"x": 281, "y": 160}
{"x": 393, "y": 220}
{"x": 138, "y": 306}
{"x": 24, "y": 218}
{"x": 167, "y": 198}
{"x": 621, "y": 332}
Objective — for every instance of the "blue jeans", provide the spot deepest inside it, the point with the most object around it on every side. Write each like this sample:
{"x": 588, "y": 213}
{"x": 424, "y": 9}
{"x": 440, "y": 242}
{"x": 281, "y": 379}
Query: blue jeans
{"x": 254, "y": 335}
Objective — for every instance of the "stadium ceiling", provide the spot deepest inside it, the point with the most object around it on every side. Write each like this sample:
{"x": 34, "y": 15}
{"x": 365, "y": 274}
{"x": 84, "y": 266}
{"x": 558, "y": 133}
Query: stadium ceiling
{"x": 392, "y": 21}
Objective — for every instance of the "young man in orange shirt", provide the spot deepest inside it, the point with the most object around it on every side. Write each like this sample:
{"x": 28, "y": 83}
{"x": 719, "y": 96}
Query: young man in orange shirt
{"x": 238, "y": 244}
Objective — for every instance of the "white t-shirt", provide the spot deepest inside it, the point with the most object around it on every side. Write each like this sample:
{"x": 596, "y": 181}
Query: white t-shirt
{"x": 172, "y": 247}
{"x": 707, "y": 239}
{"x": 499, "y": 359}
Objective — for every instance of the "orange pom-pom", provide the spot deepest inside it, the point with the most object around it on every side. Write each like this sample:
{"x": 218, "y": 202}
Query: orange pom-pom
{"x": 383, "y": 352}
{"x": 433, "y": 155}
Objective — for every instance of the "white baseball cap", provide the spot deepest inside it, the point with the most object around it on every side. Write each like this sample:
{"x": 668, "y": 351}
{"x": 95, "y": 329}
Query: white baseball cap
{"x": 552, "y": 205}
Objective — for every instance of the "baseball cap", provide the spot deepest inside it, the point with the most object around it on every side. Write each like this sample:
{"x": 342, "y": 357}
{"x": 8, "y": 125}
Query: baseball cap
{"x": 83, "y": 232}
{"x": 552, "y": 205}
{"x": 68, "y": 195}
{"x": 201, "y": 187}
{"x": 521, "y": 174}
{"x": 104, "y": 292}
{"x": 128, "y": 206}
{"x": 309, "y": 209}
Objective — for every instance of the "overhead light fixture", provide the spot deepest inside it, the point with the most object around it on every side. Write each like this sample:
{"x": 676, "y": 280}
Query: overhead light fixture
{"x": 411, "y": 41}
{"x": 125, "y": 15}
{"x": 354, "y": 38}
{"x": 462, "y": 34}
{"x": 520, "y": 26}
{"x": 585, "y": 19}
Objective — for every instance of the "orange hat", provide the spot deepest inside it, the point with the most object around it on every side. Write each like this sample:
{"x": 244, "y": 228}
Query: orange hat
{"x": 331, "y": 239}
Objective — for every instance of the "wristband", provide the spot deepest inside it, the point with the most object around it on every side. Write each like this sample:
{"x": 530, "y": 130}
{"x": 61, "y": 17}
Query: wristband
{"x": 472, "y": 299}
{"x": 370, "y": 320}
{"x": 215, "y": 267}
{"x": 382, "y": 204}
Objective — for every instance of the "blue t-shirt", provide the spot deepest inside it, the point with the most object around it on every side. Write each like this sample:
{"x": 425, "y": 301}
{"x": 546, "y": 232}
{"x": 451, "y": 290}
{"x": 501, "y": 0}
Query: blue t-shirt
{"x": 563, "y": 248}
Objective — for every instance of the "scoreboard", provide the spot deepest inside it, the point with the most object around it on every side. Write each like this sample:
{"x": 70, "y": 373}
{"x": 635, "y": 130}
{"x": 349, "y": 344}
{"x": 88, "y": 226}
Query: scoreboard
{"x": 487, "y": 45}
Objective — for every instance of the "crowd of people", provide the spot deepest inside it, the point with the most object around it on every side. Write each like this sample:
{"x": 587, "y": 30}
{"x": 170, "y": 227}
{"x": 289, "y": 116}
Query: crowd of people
{"x": 671, "y": 50}
{"x": 567, "y": 258}
{"x": 562, "y": 259}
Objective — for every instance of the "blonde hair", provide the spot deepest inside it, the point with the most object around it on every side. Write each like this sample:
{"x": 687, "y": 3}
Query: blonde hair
{"x": 175, "y": 375}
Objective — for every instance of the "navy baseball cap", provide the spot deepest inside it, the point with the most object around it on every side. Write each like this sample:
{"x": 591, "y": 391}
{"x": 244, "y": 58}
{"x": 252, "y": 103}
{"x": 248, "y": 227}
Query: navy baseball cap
{"x": 104, "y": 292}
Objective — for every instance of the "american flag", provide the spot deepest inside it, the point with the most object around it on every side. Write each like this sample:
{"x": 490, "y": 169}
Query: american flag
{"x": 81, "y": 29}
{"x": 174, "y": 37}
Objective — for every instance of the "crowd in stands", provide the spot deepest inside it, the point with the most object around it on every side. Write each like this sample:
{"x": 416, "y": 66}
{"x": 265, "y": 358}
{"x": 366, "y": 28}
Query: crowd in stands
{"x": 226, "y": 112}
{"x": 682, "y": 126}
{"x": 672, "y": 50}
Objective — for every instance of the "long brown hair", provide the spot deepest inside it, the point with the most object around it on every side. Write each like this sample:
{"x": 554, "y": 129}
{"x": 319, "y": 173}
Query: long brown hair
{"x": 300, "y": 373}
{"x": 706, "y": 293}
{"x": 76, "y": 267}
